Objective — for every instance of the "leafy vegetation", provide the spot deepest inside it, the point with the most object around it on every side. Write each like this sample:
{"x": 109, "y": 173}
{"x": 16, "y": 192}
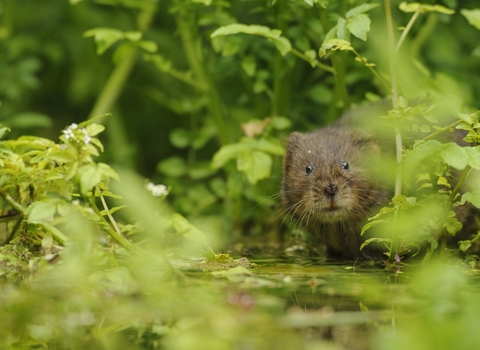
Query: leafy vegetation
{"x": 197, "y": 96}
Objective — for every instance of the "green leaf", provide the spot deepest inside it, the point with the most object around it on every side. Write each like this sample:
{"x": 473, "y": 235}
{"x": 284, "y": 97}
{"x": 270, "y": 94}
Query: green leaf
{"x": 209, "y": 254}
{"x": 360, "y": 9}
{"x": 29, "y": 120}
{"x": 359, "y": 26}
{"x": 256, "y": 165}
{"x": 133, "y": 36}
{"x": 378, "y": 240}
{"x": 148, "y": 45}
{"x": 281, "y": 123}
{"x": 402, "y": 102}
{"x": 422, "y": 8}
{"x": 4, "y": 131}
{"x": 204, "y": 2}
{"x": 453, "y": 226}
{"x": 471, "y": 197}
{"x": 464, "y": 245}
{"x": 104, "y": 38}
{"x": 473, "y": 155}
{"x": 90, "y": 175}
{"x": 369, "y": 225}
{"x": 41, "y": 210}
{"x": 418, "y": 154}
{"x": 226, "y": 153}
{"x": 472, "y": 16}
{"x": 274, "y": 35}
{"x": 334, "y": 44}
{"x": 94, "y": 129}
{"x": 454, "y": 155}
{"x": 180, "y": 138}
{"x": 187, "y": 230}
{"x": 249, "y": 65}
{"x": 173, "y": 166}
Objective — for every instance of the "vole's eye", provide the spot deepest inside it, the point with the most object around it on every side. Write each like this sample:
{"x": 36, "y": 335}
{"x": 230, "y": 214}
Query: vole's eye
{"x": 344, "y": 165}
{"x": 309, "y": 169}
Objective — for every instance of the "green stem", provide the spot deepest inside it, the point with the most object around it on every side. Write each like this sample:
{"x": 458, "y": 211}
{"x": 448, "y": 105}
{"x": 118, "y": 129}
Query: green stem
{"x": 116, "y": 81}
{"x": 407, "y": 29}
{"x": 114, "y": 85}
{"x": 193, "y": 52}
{"x": 442, "y": 130}
{"x": 313, "y": 62}
{"x": 423, "y": 34}
{"x": 118, "y": 237}
{"x": 14, "y": 231}
{"x": 374, "y": 72}
{"x": 398, "y": 135}
{"x": 340, "y": 79}
{"x": 13, "y": 203}
{"x": 7, "y": 218}
{"x": 55, "y": 232}
{"x": 110, "y": 217}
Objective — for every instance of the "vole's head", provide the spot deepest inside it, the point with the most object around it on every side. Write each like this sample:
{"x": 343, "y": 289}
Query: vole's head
{"x": 326, "y": 175}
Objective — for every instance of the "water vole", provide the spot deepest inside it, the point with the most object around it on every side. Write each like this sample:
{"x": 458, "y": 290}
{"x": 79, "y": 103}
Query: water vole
{"x": 330, "y": 186}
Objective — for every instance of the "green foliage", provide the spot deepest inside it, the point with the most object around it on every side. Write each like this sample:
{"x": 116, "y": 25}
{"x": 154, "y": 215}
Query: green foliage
{"x": 95, "y": 256}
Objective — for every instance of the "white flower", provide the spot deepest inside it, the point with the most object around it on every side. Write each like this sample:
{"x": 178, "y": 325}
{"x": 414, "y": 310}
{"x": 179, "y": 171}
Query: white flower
{"x": 68, "y": 133}
{"x": 73, "y": 126}
{"x": 157, "y": 190}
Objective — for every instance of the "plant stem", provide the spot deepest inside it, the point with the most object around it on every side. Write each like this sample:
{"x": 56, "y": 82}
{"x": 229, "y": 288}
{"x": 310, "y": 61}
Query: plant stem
{"x": 316, "y": 63}
{"x": 110, "y": 92}
{"x": 115, "y": 83}
{"x": 13, "y": 203}
{"x": 110, "y": 217}
{"x": 340, "y": 79}
{"x": 423, "y": 34}
{"x": 14, "y": 231}
{"x": 118, "y": 237}
{"x": 398, "y": 135}
{"x": 193, "y": 52}
{"x": 366, "y": 63}
{"x": 407, "y": 29}
{"x": 442, "y": 130}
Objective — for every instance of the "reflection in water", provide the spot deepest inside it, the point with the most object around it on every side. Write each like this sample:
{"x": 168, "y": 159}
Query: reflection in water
{"x": 324, "y": 299}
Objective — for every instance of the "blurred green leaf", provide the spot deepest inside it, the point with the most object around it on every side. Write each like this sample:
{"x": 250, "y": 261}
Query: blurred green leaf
{"x": 104, "y": 38}
{"x": 274, "y": 35}
{"x": 359, "y": 25}
{"x": 360, "y": 9}
{"x": 173, "y": 166}
{"x": 471, "y": 197}
{"x": 29, "y": 120}
{"x": 472, "y": 16}
{"x": 41, "y": 210}
{"x": 256, "y": 165}
{"x": 422, "y": 8}
{"x": 180, "y": 138}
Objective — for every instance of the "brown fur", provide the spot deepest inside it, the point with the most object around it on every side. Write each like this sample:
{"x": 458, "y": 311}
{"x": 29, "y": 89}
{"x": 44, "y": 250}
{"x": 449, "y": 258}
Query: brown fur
{"x": 334, "y": 200}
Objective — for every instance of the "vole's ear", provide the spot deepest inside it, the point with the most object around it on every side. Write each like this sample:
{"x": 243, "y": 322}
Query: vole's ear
{"x": 293, "y": 140}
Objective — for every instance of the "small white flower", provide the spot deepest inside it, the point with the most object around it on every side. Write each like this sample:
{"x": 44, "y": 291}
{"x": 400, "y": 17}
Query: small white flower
{"x": 76, "y": 202}
{"x": 73, "y": 126}
{"x": 157, "y": 190}
{"x": 87, "y": 139}
{"x": 68, "y": 133}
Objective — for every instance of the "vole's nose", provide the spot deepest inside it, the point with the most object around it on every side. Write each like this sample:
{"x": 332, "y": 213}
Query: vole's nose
{"x": 331, "y": 190}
